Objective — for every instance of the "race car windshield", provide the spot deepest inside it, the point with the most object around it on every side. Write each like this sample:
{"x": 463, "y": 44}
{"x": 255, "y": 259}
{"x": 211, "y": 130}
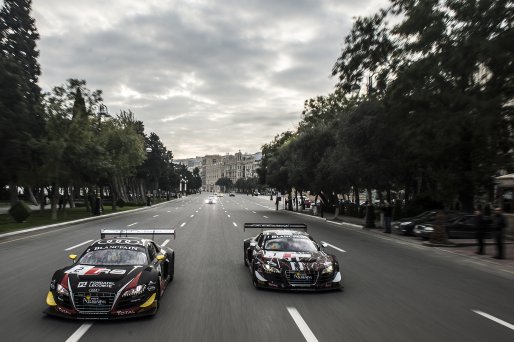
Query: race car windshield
{"x": 291, "y": 245}
{"x": 114, "y": 257}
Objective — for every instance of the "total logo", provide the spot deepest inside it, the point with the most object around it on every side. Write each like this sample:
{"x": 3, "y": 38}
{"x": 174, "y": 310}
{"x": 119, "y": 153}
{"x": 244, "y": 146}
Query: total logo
{"x": 92, "y": 270}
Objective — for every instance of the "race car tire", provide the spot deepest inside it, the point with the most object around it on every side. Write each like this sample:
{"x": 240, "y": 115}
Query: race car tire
{"x": 171, "y": 272}
{"x": 254, "y": 279}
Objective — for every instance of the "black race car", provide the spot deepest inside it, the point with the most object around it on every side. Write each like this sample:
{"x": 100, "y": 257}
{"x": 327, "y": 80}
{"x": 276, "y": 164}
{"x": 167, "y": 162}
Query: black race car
{"x": 114, "y": 278}
{"x": 285, "y": 258}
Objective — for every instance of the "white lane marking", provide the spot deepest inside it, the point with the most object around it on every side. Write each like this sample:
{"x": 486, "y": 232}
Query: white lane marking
{"x": 80, "y": 244}
{"x": 228, "y": 215}
{"x": 492, "y": 318}
{"x": 165, "y": 242}
{"x": 334, "y": 247}
{"x": 80, "y": 331}
{"x": 246, "y": 208}
{"x": 235, "y": 224}
{"x": 193, "y": 215}
{"x": 196, "y": 211}
{"x": 265, "y": 216}
{"x": 183, "y": 224}
{"x": 130, "y": 225}
{"x": 254, "y": 212}
{"x": 304, "y": 328}
{"x": 168, "y": 211}
{"x": 155, "y": 215}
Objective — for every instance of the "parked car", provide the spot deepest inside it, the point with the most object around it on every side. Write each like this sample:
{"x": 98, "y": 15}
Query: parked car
{"x": 305, "y": 200}
{"x": 406, "y": 226}
{"x": 459, "y": 227}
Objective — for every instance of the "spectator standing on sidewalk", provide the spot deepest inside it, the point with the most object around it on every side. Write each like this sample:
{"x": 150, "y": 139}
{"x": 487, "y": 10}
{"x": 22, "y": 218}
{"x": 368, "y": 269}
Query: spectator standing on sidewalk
{"x": 499, "y": 225}
{"x": 480, "y": 225}
{"x": 388, "y": 213}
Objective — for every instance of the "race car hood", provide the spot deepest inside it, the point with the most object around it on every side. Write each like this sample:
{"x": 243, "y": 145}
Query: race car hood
{"x": 297, "y": 260}
{"x": 106, "y": 278}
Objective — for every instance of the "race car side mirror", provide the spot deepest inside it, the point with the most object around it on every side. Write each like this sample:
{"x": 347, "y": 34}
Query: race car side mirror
{"x": 73, "y": 257}
{"x": 160, "y": 257}
{"x": 253, "y": 244}
{"x": 324, "y": 244}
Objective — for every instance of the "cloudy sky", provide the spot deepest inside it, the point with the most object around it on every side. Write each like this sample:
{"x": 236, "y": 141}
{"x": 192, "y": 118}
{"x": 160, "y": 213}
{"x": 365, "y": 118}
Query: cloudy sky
{"x": 208, "y": 77}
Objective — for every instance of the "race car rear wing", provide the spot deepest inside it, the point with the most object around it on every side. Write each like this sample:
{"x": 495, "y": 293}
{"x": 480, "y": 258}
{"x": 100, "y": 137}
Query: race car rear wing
{"x": 133, "y": 232}
{"x": 290, "y": 226}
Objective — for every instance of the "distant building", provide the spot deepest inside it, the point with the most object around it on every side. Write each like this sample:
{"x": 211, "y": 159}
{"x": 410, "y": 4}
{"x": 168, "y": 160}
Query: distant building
{"x": 239, "y": 165}
{"x": 190, "y": 163}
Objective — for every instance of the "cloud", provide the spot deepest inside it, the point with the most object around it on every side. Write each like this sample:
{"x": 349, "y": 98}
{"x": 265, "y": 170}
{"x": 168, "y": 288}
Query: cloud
{"x": 207, "y": 76}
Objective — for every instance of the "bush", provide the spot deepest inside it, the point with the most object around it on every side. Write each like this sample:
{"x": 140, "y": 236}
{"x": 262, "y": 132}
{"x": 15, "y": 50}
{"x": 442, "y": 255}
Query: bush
{"x": 120, "y": 203}
{"x": 20, "y": 211}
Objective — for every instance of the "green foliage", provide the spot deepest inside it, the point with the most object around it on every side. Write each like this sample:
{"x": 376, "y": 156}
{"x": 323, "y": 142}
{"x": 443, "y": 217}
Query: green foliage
{"x": 20, "y": 211}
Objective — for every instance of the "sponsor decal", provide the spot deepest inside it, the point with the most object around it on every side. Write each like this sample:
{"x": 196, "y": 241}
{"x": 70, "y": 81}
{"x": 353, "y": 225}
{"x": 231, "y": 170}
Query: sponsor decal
{"x": 94, "y": 290}
{"x": 88, "y": 299}
{"x": 302, "y": 276}
{"x": 129, "y": 248}
{"x": 96, "y": 284}
{"x": 125, "y": 312}
{"x": 101, "y": 284}
{"x": 92, "y": 270}
{"x": 64, "y": 310}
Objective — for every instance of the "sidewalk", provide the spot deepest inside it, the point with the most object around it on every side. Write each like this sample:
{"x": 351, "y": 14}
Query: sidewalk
{"x": 464, "y": 247}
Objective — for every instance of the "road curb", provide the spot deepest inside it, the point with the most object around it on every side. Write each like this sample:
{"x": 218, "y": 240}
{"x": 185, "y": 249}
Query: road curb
{"x": 74, "y": 222}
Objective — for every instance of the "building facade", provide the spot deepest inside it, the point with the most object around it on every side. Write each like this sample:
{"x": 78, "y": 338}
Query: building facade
{"x": 234, "y": 167}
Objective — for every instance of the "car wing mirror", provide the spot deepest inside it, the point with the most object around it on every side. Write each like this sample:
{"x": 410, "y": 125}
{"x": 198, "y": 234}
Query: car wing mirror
{"x": 73, "y": 257}
{"x": 253, "y": 244}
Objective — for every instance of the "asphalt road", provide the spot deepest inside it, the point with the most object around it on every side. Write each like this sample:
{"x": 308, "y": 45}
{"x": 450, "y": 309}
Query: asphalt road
{"x": 394, "y": 291}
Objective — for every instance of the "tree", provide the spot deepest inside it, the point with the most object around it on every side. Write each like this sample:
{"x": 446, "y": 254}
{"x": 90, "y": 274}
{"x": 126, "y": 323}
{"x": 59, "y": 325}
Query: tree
{"x": 224, "y": 182}
{"x": 18, "y": 36}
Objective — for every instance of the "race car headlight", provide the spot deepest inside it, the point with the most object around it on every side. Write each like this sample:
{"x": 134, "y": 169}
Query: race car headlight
{"x": 328, "y": 269}
{"x": 427, "y": 229}
{"x": 405, "y": 223}
{"x": 62, "y": 290}
{"x": 134, "y": 291}
{"x": 270, "y": 269}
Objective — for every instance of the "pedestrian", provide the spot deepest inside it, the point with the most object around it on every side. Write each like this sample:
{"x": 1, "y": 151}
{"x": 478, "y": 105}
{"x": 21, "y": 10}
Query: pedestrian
{"x": 499, "y": 225}
{"x": 480, "y": 225}
{"x": 61, "y": 202}
{"x": 388, "y": 213}
{"x": 322, "y": 203}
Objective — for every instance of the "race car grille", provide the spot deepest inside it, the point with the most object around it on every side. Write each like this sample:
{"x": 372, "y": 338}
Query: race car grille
{"x": 97, "y": 303}
{"x": 301, "y": 278}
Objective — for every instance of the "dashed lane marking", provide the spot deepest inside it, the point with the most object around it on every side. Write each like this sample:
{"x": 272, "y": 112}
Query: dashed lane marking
{"x": 265, "y": 216}
{"x": 235, "y": 224}
{"x": 193, "y": 215}
{"x": 182, "y": 225}
{"x": 130, "y": 225}
{"x": 80, "y": 244}
{"x": 304, "y": 328}
{"x": 80, "y": 332}
{"x": 155, "y": 215}
{"x": 336, "y": 248}
{"x": 165, "y": 242}
{"x": 494, "y": 319}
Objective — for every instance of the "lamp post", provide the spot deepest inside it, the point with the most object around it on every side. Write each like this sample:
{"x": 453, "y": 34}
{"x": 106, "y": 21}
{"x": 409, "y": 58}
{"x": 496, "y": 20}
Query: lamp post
{"x": 148, "y": 195}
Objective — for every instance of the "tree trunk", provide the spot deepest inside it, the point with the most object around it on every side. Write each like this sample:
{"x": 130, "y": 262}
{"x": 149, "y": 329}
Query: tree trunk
{"x": 32, "y": 199}
{"x": 13, "y": 193}
{"x": 42, "y": 197}
{"x": 54, "y": 199}
{"x": 113, "y": 194}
